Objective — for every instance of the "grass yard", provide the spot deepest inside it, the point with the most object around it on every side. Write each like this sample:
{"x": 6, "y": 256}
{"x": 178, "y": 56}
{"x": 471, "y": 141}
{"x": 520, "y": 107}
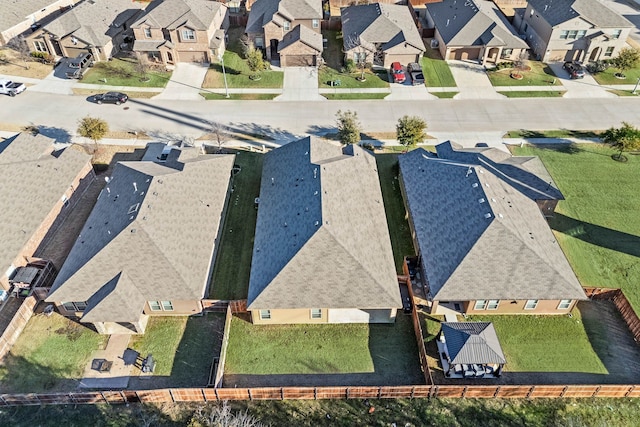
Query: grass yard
{"x": 546, "y": 343}
{"x": 533, "y": 94}
{"x": 444, "y": 95}
{"x": 139, "y": 95}
{"x": 343, "y": 96}
{"x": 237, "y": 70}
{"x": 183, "y": 348}
{"x": 233, "y": 265}
{"x": 401, "y": 241}
{"x": 607, "y": 77}
{"x": 539, "y": 75}
{"x": 387, "y": 353}
{"x": 12, "y": 65}
{"x": 557, "y": 133}
{"x": 238, "y": 96}
{"x": 597, "y": 225}
{"x": 50, "y": 355}
{"x": 619, "y": 92}
{"x": 436, "y": 70}
{"x": 122, "y": 72}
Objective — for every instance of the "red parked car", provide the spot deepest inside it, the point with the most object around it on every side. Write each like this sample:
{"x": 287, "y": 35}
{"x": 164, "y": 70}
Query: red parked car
{"x": 397, "y": 72}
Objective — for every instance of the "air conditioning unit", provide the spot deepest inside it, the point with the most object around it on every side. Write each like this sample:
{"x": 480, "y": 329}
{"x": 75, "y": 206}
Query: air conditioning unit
{"x": 434, "y": 43}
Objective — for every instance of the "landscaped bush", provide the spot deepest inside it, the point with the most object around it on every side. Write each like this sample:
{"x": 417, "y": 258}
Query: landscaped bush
{"x": 598, "y": 66}
{"x": 503, "y": 65}
{"x": 350, "y": 66}
{"x": 43, "y": 57}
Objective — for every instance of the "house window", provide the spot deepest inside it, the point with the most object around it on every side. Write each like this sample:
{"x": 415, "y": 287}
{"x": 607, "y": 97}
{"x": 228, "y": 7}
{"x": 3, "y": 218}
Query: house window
{"x": 506, "y": 53}
{"x": 75, "y": 306}
{"x": 581, "y": 33}
{"x": 609, "y": 51}
{"x": 531, "y": 304}
{"x": 316, "y": 313}
{"x": 265, "y": 314}
{"x": 147, "y": 32}
{"x": 493, "y": 304}
{"x": 286, "y": 25}
{"x": 155, "y": 306}
{"x": 359, "y": 57}
{"x": 564, "y": 304}
{"x": 169, "y": 57}
{"x": 481, "y": 304}
{"x": 259, "y": 42}
{"x": 189, "y": 35}
{"x": 40, "y": 46}
{"x": 166, "y": 305}
{"x": 564, "y": 34}
{"x": 616, "y": 34}
{"x": 315, "y": 23}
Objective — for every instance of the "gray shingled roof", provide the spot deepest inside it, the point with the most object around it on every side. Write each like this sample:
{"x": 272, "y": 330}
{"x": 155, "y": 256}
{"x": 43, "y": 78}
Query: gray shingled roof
{"x": 473, "y": 23}
{"x": 33, "y": 178}
{"x": 472, "y": 342}
{"x": 480, "y": 237}
{"x": 303, "y": 34}
{"x": 556, "y": 12}
{"x": 150, "y": 236}
{"x": 171, "y": 14}
{"x": 388, "y": 24}
{"x": 265, "y": 11}
{"x": 94, "y": 21}
{"x": 17, "y": 11}
{"x": 321, "y": 235}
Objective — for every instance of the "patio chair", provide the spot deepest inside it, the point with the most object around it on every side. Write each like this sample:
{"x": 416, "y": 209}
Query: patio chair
{"x": 467, "y": 371}
{"x": 479, "y": 370}
{"x": 457, "y": 369}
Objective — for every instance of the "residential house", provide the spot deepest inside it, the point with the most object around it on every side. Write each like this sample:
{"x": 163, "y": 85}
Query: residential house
{"x": 566, "y": 30}
{"x": 322, "y": 252}
{"x": 95, "y": 26}
{"x": 473, "y": 30}
{"x": 40, "y": 184}
{"x": 174, "y": 31}
{"x": 19, "y": 16}
{"x": 148, "y": 246}
{"x": 477, "y": 218}
{"x": 300, "y": 47}
{"x": 380, "y": 34}
{"x": 270, "y": 20}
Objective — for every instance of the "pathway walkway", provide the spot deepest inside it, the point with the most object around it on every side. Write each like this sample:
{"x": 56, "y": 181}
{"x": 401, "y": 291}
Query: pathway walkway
{"x": 118, "y": 375}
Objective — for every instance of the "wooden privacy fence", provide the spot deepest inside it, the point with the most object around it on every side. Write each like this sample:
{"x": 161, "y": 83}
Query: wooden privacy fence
{"x": 173, "y": 395}
{"x": 223, "y": 351}
{"x": 622, "y": 304}
{"x": 17, "y": 324}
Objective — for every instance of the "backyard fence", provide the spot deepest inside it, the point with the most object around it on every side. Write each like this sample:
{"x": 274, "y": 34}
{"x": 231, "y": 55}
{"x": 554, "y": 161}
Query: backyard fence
{"x": 223, "y": 351}
{"x": 174, "y": 395}
{"x": 17, "y": 324}
{"x": 622, "y": 304}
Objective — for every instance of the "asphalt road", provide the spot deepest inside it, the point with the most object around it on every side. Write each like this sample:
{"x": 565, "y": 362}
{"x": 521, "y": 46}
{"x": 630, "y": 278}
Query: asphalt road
{"x": 284, "y": 120}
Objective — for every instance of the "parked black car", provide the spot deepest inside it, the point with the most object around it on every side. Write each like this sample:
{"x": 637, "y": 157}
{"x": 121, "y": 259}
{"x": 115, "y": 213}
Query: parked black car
{"x": 111, "y": 98}
{"x": 76, "y": 67}
{"x": 575, "y": 69}
{"x": 415, "y": 70}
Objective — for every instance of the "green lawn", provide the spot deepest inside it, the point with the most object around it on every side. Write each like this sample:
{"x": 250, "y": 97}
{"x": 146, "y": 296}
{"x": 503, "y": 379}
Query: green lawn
{"x": 122, "y": 72}
{"x": 539, "y": 75}
{"x": 341, "y": 96}
{"x": 183, "y": 348}
{"x": 597, "y": 225}
{"x": 233, "y": 265}
{"x": 546, "y": 343}
{"x": 237, "y": 70}
{"x": 387, "y": 351}
{"x": 50, "y": 355}
{"x": 607, "y": 77}
{"x": 239, "y": 96}
{"x": 533, "y": 94}
{"x": 436, "y": 70}
{"x": 401, "y": 242}
{"x": 444, "y": 95}
{"x": 557, "y": 133}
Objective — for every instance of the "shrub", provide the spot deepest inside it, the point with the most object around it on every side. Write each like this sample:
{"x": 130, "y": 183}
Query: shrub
{"x": 44, "y": 57}
{"x": 598, "y": 66}
{"x": 350, "y": 66}
{"x": 503, "y": 65}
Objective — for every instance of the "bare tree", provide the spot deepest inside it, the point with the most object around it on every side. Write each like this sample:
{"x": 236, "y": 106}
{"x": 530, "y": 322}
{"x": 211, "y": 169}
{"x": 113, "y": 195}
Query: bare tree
{"x": 222, "y": 416}
{"x": 246, "y": 44}
{"x": 20, "y": 45}
{"x": 361, "y": 52}
{"x": 221, "y": 134}
{"x": 142, "y": 67}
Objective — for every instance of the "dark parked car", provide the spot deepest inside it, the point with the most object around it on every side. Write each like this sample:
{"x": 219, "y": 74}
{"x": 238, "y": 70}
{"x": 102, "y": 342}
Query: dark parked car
{"x": 111, "y": 98}
{"x": 76, "y": 67}
{"x": 415, "y": 70}
{"x": 397, "y": 73}
{"x": 575, "y": 69}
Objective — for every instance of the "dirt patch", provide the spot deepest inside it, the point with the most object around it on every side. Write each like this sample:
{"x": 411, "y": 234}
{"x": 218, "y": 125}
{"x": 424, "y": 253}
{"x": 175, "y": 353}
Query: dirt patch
{"x": 11, "y": 65}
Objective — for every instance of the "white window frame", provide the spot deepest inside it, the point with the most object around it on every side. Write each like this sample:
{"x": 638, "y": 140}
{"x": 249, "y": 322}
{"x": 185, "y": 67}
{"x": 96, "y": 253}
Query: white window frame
{"x": 616, "y": 34}
{"x": 265, "y": 314}
{"x": 581, "y": 34}
{"x": 480, "y": 304}
{"x": 166, "y": 305}
{"x": 531, "y": 304}
{"x": 564, "y": 304}
{"x": 316, "y": 313}
{"x": 286, "y": 25}
{"x": 40, "y": 46}
{"x": 147, "y": 32}
{"x": 493, "y": 304}
{"x": 315, "y": 23}
{"x": 609, "y": 51}
{"x": 188, "y": 35}
{"x": 564, "y": 34}
{"x": 155, "y": 306}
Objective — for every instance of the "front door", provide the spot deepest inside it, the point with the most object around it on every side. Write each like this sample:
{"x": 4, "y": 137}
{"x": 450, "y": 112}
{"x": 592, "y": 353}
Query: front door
{"x": 56, "y": 47}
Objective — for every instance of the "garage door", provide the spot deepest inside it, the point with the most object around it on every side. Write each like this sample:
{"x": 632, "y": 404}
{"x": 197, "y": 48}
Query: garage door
{"x": 297, "y": 60}
{"x": 354, "y": 315}
{"x": 192, "y": 56}
{"x": 464, "y": 53}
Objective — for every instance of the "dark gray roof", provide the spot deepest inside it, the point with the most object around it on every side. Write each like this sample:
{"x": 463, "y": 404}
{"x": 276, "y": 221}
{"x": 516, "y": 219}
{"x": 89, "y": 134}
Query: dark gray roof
{"x": 33, "y": 178}
{"x": 171, "y": 14}
{"x": 556, "y": 12}
{"x": 472, "y": 342}
{"x": 264, "y": 11}
{"x": 150, "y": 236}
{"x": 94, "y": 21}
{"x": 303, "y": 34}
{"x": 321, "y": 235}
{"x": 389, "y": 24}
{"x": 479, "y": 236}
{"x": 16, "y": 11}
{"x": 473, "y": 23}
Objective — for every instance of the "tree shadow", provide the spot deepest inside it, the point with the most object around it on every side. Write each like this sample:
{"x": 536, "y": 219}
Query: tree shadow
{"x": 563, "y": 146}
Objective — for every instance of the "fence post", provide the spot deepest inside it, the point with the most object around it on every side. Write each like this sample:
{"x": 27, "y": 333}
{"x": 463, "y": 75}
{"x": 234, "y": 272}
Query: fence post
{"x": 531, "y": 391}
{"x": 124, "y": 399}
{"x": 249, "y": 393}
{"x": 595, "y": 393}
{"x": 281, "y": 393}
{"x": 315, "y": 393}
{"x": 104, "y": 398}
{"x": 495, "y": 394}
{"x": 464, "y": 391}
{"x": 215, "y": 391}
{"x": 564, "y": 390}
{"x": 379, "y": 391}
{"x": 204, "y": 395}
{"x": 173, "y": 399}
{"x": 630, "y": 390}
{"x": 413, "y": 392}
{"x": 347, "y": 392}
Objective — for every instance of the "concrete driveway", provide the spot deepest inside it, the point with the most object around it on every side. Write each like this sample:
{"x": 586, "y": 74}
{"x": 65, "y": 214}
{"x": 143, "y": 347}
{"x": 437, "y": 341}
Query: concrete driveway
{"x": 586, "y": 87}
{"x": 406, "y": 91}
{"x": 300, "y": 84}
{"x": 472, "y": 81}
{"x": 55, "y": 83}
{"x": 186, "y": 82}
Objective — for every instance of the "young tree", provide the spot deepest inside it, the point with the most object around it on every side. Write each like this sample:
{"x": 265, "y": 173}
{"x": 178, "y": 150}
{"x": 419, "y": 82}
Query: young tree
{"x": 348, "y": 127}
{"x": 624, "y": 138}
{"x": 256, "y": 63}
{"x": 410, "y": 130}
{"x": 246, "y": 45}
{"x": 220, "y": 133}
{"x": 20, "y": 45}
{"x": 361, "y": 53}
{"x": 93, "y": 128}
{"x": 142, "y": 67}
{"x": 627, "y": 58}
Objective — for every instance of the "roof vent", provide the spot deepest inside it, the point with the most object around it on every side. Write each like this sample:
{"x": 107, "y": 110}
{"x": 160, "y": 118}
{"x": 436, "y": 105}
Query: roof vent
{"x": 133, "y": 230}
{"x": 135, "y": 187}
{"x": 500, "y": 215}
{"x": 487, "y": 215}
{"x": 134, "y": 208}
{"x": 481, "y": 200}
{"x": 474, "y": 185}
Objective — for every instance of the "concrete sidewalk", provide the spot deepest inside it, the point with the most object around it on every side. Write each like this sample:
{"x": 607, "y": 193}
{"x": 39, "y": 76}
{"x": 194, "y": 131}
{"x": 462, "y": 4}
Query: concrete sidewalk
{"x": 118, "y": 376}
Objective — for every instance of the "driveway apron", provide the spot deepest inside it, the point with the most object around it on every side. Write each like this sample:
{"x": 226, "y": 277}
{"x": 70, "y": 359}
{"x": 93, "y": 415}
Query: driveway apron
{"x": 55, "y": 83}
{"x": 300, "y": 84}
{"x": 185, "y": 83}
{"x": 586, "y": 87}
{"x": 472, "y": 81}
{"x": 406, "y": 91}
